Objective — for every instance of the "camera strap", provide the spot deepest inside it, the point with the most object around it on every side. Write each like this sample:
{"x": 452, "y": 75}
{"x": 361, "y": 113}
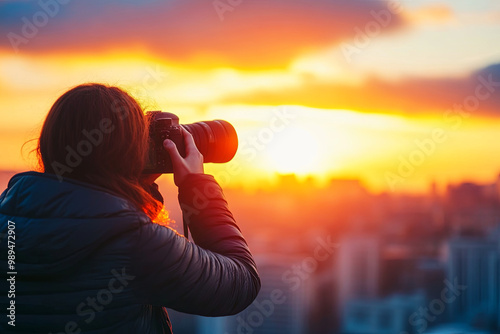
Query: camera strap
{"x": 186, "y": 229}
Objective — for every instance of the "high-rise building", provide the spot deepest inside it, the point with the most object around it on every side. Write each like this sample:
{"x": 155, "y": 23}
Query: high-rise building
{"x": 358, "y": 268}
{"x": 473, "y": 276}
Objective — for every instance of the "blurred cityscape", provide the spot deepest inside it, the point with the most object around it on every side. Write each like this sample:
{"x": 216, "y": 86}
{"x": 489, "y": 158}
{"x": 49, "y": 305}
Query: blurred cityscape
{"x": 339, "y": 259}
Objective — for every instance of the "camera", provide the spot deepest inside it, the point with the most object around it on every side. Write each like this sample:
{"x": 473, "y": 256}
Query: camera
{"x": 216, "y": 140}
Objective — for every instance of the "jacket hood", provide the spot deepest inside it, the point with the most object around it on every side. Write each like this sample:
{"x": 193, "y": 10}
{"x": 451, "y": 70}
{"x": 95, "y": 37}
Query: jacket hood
{"x": 58, "y": 224}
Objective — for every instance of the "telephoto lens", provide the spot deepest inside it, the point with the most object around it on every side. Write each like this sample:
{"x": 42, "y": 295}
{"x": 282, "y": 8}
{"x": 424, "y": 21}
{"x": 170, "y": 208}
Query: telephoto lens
{"x": 216, "y": 140}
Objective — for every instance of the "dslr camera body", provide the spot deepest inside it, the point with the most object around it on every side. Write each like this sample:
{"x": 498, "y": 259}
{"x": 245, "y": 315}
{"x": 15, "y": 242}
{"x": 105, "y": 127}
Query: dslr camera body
{"x": 216, "y": 140}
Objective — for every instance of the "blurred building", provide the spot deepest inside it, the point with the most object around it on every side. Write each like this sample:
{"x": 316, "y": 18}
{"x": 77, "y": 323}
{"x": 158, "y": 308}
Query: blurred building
{"x": 358, "y": 268}
{"x": 381, "y": 316}
{"x": 472, "y": 209}
{"x": 282, "y": 304}
{"x": 456, "y": 328}
{"x": 473, "y": 272}
{"x": 407, "y": 273}
{"x": 183, "y": 323}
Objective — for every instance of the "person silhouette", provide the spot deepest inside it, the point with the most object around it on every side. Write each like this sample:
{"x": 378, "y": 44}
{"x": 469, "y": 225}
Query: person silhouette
{"x": 87, "y": 249}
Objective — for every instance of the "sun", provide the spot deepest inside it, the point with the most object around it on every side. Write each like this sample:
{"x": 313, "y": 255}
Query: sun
{"x": 294, "y": 150}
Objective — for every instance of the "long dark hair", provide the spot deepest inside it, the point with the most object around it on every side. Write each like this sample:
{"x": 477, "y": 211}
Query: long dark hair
{"x": 98, "y": 134}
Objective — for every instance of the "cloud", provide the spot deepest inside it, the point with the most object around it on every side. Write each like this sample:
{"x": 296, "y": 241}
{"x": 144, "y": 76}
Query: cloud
{"x": 257, "y": 33}
{"x": 408, "y": 96}
{"x": 431, "y": 13}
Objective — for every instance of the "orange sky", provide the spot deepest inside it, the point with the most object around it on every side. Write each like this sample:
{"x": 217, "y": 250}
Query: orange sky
{"x": 396, "y": 93}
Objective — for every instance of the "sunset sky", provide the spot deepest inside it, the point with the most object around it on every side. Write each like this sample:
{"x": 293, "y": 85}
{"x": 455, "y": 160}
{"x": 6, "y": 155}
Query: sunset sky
{"x": 396, "y": 93}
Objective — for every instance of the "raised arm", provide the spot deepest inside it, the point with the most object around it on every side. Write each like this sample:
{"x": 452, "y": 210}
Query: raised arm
{"x": 216, "y": 275}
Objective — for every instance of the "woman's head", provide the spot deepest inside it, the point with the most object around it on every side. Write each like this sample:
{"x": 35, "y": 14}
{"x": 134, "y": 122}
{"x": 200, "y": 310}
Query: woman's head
{"x": 98, "y": 134}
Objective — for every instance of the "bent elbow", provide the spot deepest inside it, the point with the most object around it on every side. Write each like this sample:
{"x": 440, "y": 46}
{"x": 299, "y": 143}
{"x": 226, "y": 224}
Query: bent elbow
{"x": 255, "y": 285}
{"x": 249, "y": 292}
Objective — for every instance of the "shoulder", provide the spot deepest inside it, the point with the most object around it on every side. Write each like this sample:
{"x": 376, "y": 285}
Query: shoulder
{"x": 33, "y": 194}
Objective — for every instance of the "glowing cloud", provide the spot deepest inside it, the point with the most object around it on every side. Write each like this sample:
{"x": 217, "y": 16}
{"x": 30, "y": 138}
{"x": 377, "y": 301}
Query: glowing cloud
{"x": 259, "y": 33}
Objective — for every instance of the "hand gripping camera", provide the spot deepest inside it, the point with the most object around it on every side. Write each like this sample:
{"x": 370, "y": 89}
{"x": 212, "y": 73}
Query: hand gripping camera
{"x": 216, "y": 140}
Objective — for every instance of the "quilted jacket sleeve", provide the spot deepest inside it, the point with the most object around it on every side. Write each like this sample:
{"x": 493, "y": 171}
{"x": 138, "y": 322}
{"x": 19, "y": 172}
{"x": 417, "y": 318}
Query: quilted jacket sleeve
{"x": 214, "y": 276}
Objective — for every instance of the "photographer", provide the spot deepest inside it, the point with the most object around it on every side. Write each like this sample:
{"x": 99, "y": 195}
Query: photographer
{"x": 91, "y": 254}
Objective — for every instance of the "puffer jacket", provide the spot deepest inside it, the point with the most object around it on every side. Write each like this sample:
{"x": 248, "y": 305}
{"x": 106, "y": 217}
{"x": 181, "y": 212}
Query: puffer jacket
{"x": 84, "y": 260}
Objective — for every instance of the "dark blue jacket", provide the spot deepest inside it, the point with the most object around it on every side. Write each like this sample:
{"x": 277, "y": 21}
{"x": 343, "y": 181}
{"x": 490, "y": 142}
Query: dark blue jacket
{"x": 86, "y": 261}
